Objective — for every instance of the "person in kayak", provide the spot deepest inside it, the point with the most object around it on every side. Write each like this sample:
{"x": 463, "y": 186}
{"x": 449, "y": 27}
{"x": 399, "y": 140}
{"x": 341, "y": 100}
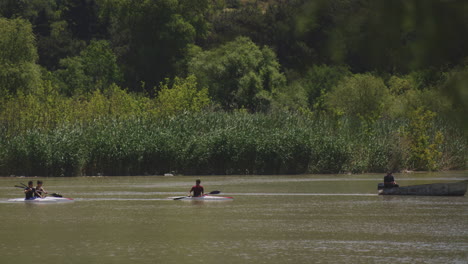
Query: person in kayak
{"x": 389, "y": 181}
{"x": 40, "y": 192}
{"x": 197, "y": 189}
{"x": 30, "y": 191}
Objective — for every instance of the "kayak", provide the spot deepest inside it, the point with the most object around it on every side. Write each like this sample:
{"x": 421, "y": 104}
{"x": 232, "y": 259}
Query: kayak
{"x": 202, "y": 198}
{"x": 42, "y": 200}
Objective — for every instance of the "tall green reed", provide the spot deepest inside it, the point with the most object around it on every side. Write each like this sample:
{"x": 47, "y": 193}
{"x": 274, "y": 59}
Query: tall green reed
{"x": 217, "y": 143}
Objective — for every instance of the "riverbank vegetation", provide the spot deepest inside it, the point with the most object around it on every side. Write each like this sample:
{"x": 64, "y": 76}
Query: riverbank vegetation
{"x": 120, "y": 87}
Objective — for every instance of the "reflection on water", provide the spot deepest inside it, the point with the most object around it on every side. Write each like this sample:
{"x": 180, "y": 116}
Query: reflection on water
{"x": 273, "y": 219}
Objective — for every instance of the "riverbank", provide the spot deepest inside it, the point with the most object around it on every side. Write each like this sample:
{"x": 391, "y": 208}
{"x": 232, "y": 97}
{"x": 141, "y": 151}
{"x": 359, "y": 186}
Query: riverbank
{"x": 228, "y": 143}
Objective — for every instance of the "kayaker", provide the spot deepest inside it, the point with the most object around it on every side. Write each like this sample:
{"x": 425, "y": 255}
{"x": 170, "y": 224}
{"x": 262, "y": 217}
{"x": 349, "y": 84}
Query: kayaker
{"x": 30, "y": 191}
{"x": 197, "y": 189}
{"x": 389, "y": 181}
{"x": 40, "y": 192}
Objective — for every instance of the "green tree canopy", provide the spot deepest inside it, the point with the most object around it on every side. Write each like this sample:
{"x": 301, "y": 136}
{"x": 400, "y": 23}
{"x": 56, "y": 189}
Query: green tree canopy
{"x": 95, "y": 68}
{"x": 151, "y": 38}
{"x": 318, "y": 80}
{"x": 18, "y": 56}
{"x": 237, "y": 73}
{"x": 362, "y": 95}
{"x": 182, "y": 96}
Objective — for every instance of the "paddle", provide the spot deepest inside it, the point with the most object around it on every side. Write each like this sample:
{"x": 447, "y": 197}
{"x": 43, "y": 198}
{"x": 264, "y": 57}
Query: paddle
{"x": 182, "y": 197}
{"x": 22, "y": 187}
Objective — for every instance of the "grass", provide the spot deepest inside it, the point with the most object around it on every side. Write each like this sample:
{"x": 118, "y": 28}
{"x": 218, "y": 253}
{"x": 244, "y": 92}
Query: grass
{"x": 217, "y": 143}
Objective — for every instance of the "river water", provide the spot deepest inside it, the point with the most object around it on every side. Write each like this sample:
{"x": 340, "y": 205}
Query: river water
{"x": 272, "y": 219}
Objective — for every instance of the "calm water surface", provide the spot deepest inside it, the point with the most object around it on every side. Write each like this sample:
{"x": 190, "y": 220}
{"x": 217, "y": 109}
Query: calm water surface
{"x": 272, "y": 219}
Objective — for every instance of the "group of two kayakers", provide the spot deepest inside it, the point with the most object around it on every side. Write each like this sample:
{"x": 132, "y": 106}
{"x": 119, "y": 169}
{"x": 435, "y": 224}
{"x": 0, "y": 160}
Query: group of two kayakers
{"x": 32, "y": 192}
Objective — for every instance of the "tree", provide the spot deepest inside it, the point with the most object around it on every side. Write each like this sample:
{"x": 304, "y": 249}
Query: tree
{"x": 151, "y": 38}
{"x": 18, "y": 56}
{"x": 319, "y": 80}
{"x": 394, "y": 36}
{"x": 274, "y": 24}
{"x": 62, "y": 28}
{"x": 83, "y": 19}
{"x": 238, "y": 20}
{"x": 424, "y": 148}
{"x": 361, "y": 95}
{"x": 182, "y": 96}
{"x": 95, "y": 68}
{"x": 297, "y": 43}
{"x": 237, "y": 73}
{"x": 57, "y": 44}
{"x": 455, "y": 89}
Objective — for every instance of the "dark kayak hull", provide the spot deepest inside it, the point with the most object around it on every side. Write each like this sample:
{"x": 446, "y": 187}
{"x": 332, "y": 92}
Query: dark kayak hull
{"x": 435, "y": 189}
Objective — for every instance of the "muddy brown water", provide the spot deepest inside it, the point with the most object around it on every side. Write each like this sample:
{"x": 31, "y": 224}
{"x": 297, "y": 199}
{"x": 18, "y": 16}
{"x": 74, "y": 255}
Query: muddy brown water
{"x": 272, "y": 219}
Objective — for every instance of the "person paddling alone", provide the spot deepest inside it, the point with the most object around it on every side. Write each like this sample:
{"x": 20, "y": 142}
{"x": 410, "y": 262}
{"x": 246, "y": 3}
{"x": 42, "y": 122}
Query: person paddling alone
{"x": 197, "y": 189}
{"x": 389, "y": 181}
{"x": 30, "y": 192}
{"x": 40, "y": 192}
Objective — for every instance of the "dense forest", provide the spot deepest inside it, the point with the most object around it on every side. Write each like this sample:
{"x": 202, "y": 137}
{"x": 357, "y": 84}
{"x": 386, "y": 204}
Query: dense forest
{"x": 143, "y": 87}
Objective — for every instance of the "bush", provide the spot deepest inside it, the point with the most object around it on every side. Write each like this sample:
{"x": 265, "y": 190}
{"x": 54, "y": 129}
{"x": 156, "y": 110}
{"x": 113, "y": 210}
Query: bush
{"x": 183, "y": 96}
{"x": 361, "y": 95}
{"x": 424, "y": 146}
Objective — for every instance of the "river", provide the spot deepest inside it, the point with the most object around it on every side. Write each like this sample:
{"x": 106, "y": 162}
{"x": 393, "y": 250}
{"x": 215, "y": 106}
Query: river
{"x": 272, "y": 219}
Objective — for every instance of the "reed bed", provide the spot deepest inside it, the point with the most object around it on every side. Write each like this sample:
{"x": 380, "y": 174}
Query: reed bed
{"x": 218, "y": 143}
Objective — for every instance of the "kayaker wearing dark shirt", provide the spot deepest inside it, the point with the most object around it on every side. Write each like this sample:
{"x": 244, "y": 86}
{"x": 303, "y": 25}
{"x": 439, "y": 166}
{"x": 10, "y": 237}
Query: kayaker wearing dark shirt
{"x": 197, "y": 189}
{"x": 389, "y": 181}
{"x": 30, "y": 191}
